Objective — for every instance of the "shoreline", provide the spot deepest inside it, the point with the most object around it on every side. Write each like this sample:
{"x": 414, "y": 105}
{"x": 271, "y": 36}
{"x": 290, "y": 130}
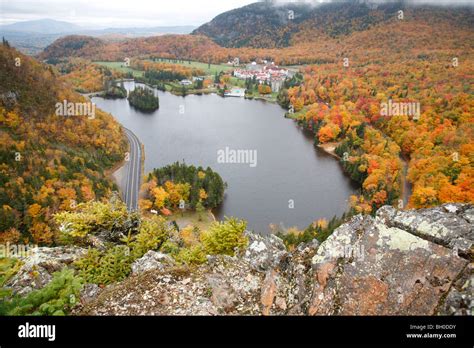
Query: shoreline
{"x": 330, "y": 148}
{"x": 202, "y": 92}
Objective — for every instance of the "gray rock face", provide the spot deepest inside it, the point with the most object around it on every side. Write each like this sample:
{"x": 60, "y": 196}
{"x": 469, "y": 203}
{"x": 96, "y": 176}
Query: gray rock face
{"x": 152, "y": 260}
{"x": 223, "y": 295}
{"x": 89, "y": 292}
{"x": 264, "y": 253}
{"x": 38, "y": 267}
{"x": 460, "y": 298}
{"x": 449, "y": 225}
{"x": 367, "y": 267}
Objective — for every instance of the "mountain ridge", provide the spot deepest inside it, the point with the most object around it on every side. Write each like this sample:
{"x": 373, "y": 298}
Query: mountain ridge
{"x": 264, "y": 25}
{"x": 33, "y": 36}
{"x": 43, "y": 26}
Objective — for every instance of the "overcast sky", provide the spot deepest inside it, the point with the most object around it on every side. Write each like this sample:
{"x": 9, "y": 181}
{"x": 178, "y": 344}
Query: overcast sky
{"x": 105, "y": 13}
{"x": 120, "y": 13}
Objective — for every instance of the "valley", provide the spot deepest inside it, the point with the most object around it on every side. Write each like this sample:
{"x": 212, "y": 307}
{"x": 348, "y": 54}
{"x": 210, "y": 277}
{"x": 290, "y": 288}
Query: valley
{"x": 280, "y": 159}
{"x": 215, "y": 123}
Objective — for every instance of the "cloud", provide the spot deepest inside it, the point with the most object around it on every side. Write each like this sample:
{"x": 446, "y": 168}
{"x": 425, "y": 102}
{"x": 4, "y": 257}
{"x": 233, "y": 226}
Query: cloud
{"x": 103, "y": 13}
{"x": 120, "y": 13}
{"x": 411, "y": 2}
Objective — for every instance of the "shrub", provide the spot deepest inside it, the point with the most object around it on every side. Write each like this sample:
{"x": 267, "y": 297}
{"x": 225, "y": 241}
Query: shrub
{"x": 93, "y": 217}
{"x": 114, "y": 264}
{"x": 190, "y": 235}
{"x": 8, "y": 268}
{"x": 170, "y": 247}
{"x": 56, "y": 298}
{"x": 105, "y": 267}
{"x": 194, "y": 255}
{"x": 153, "y": 233}
{"x": 225, "y": 237}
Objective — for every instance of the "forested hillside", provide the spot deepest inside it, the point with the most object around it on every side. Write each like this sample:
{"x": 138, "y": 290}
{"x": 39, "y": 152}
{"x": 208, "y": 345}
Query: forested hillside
{"x": 49, "y": 162}
{"x": 333, "y": 33}
{"x": 266, "y": 25}
{"x": 355, "y": 58}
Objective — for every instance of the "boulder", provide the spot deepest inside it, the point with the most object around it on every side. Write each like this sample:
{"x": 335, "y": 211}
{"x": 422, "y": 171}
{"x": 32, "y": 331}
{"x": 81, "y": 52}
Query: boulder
{"x": 152, "y": 260}
{"x": 89, "y": 292}
{"x": 264, "y": 253}
{"x": 224, "y": 285}
{"x": 368, "y": 267}
{"x": 459, "y": 300}
{"x": 38, "y": 267}
{"x": 449, "y": 225}
{"x": 269, "y": 289}
{"x": 223, "y": 295}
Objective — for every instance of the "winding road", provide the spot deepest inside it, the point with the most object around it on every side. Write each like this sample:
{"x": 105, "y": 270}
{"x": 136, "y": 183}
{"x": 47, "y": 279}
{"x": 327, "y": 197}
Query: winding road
{"x": 132, "y": 171}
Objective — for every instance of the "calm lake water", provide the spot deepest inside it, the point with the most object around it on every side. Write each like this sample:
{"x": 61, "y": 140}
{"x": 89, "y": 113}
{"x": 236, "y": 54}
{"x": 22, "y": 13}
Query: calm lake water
{"x": 289, "y": 168}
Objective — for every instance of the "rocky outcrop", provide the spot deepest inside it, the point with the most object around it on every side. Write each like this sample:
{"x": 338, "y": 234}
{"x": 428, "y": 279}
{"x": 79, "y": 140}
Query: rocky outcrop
{"x": 396, "y": 263}
{"x": 38, "y": 267}
{"x": 369, "y": 268}
{"x": 450, "y": 225}
{"x": 264, "y": 253}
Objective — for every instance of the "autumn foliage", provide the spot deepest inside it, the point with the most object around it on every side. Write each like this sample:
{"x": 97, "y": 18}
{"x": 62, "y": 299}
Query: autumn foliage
{"x": 48, "y": 163}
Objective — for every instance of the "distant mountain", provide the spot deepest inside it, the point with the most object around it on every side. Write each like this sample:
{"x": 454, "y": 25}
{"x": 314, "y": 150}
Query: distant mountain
{"x": 266, "y": 25}
{"x": 145, "y": 31}
{"x": 33, "y": 36}
{"x": 316, "y": 34}
{"x": 41, "y": 26}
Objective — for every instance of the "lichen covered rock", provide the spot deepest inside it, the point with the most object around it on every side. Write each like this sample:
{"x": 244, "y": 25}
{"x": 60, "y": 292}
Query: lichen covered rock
{"x": 38, "y": 267}
{"x": 368, "y": 267}
{"x": 152, "y": 260}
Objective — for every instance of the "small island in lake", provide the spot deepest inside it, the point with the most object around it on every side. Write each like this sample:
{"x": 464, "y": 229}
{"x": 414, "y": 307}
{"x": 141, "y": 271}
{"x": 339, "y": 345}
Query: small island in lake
{"x": 144, "y": 99}
{"x": 114, "y": 90}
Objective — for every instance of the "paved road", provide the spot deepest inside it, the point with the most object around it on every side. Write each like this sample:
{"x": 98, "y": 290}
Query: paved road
{"x": 406, "y": 188}
{"x": 133, "y": 172}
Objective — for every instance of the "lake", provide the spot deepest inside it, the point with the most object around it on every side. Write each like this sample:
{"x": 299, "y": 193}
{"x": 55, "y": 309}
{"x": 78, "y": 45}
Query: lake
{"x": 283, "y": 179}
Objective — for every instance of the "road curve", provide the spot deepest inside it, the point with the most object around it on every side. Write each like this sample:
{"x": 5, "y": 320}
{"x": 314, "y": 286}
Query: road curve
{"x": 133, "y": 171}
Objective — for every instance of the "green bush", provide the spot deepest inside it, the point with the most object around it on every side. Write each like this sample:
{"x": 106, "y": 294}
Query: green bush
{"x": 170, "y": 247}
{"x": 56, "y": 298}
{"x": 114, "y": 264}
{"x": 194, "y": 255}
{"x": 93, "y": 217}
{"x": 8, "y": 268}
{"x": 225, "y": 237}
{"x": 105, "y": 267}
{"x": 153, "y": 233}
